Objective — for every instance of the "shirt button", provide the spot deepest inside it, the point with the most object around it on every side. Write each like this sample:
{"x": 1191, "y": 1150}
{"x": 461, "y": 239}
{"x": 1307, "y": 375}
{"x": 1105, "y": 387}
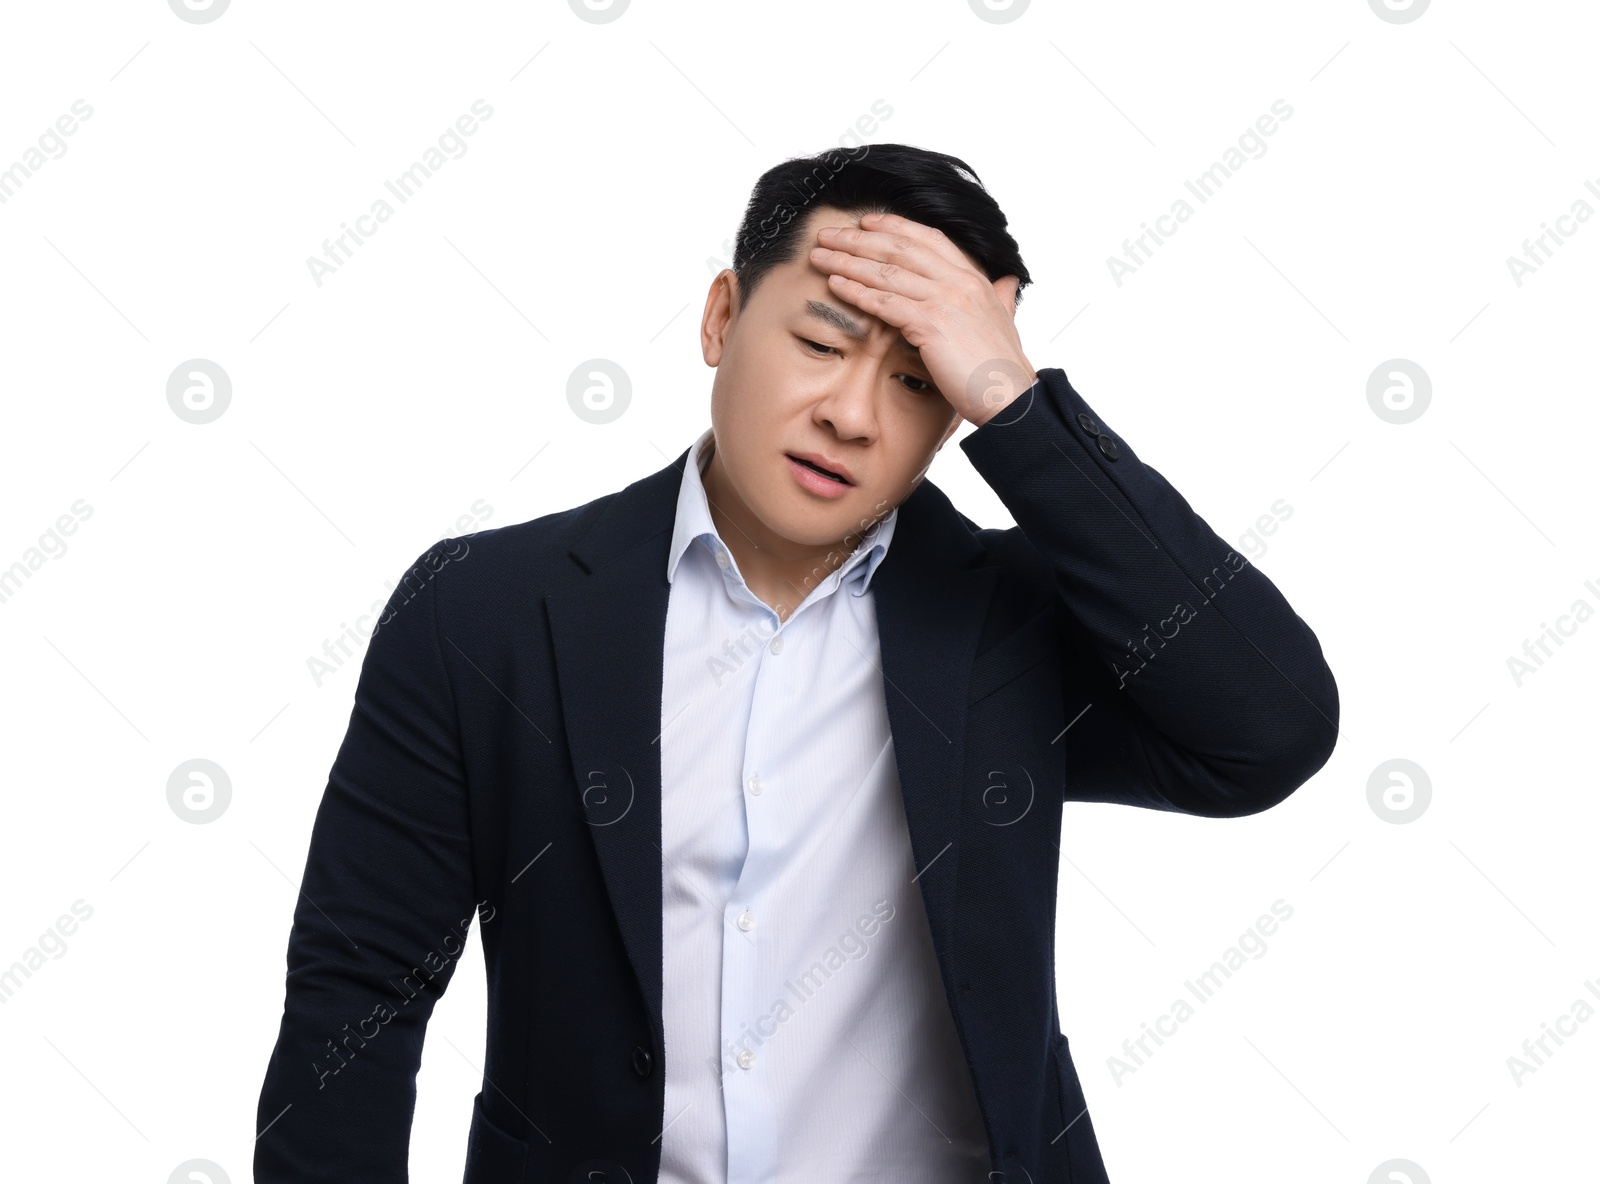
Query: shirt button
{"x": 777, "y": 645}
{"x": 746, "y": 1059}
{"x": 755, "y": 783}
{"x": 722, "y": 558}
{"x": 747, "y": 921}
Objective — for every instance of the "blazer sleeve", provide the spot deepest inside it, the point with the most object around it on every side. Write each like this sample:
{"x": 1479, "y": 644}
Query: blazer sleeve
{"x": 1191, "y": 685}
{"x": 384, "y": 907}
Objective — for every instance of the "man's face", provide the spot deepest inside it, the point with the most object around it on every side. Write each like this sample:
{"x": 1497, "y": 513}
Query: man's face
{"x": 801, "y": 371}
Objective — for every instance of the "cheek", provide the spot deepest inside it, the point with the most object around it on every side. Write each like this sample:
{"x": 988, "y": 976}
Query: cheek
{"x": 917, "y": 432}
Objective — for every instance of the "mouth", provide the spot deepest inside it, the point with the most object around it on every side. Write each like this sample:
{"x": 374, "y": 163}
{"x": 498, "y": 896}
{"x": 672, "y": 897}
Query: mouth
{"x": 830, "y": 474}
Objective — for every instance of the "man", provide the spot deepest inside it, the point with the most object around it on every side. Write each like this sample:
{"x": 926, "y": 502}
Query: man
{"x": 753, "y": 770}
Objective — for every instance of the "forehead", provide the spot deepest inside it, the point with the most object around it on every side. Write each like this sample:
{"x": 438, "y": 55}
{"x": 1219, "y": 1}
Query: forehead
{"x": 799, "y": 268}
{"x": 816, "y": 219}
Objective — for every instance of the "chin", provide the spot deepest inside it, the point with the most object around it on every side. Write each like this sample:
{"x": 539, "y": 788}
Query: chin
{"x": 812, "y": 527}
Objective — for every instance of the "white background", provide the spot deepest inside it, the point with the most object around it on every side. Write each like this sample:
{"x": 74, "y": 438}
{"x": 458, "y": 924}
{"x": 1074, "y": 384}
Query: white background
{"x": 585, "y": 220}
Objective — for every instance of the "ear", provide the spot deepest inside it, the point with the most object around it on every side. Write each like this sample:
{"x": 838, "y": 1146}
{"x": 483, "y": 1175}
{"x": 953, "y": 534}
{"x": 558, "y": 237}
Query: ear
{"x": 1007, "y": 286}
{"x": 722, "y": 309}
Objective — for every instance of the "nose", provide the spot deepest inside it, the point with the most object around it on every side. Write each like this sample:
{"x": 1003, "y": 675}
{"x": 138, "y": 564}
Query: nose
{"x": 850, "y": 406}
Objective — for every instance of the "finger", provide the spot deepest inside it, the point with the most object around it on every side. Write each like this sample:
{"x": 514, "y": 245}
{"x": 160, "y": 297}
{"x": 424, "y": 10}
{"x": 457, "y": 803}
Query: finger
{"x": 892, "y": 308}
{"x": 886, "y": 247}
{"x": 888, "y": 276}
{"x": 929, "y": 237}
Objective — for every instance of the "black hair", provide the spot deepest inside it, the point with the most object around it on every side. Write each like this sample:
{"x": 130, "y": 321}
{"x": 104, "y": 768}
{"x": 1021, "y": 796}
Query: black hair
{"x": 928, "y": 187}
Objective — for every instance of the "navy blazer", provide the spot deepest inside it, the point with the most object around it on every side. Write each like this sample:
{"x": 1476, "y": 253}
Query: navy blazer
{"x": 501, "y": 760}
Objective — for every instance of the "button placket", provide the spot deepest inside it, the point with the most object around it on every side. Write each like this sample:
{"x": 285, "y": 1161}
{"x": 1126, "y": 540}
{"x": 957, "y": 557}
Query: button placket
{"x": 743, "y": 1091}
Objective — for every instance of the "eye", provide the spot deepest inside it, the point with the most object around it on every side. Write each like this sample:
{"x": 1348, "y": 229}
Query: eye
{"x": 923, "y": 387}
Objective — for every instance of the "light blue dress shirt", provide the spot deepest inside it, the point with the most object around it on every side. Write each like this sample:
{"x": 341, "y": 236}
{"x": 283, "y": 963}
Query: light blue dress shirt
{"x": 808, "y": 1038}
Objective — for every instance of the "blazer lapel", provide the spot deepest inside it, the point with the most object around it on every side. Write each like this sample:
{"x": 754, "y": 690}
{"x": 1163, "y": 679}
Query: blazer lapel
{"x": 608, "y": 631}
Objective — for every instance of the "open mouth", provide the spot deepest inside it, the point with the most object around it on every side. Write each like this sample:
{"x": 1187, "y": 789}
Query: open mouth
{"x": 832, "y": 476}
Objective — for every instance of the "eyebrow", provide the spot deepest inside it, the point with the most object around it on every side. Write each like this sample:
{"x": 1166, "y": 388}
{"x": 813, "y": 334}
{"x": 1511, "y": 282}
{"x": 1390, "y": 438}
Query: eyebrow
{"x": 847, "y": 324}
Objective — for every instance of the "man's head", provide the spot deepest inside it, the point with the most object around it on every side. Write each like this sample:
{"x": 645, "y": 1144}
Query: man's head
{"x": 800, "y": 370}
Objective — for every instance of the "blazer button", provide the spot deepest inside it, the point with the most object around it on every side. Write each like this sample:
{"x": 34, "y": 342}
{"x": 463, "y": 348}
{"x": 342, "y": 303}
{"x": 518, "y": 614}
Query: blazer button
{"x": 1108, "y": 447}
{"x": 1087, "y": 423}
{"x": 642, "y": 1061}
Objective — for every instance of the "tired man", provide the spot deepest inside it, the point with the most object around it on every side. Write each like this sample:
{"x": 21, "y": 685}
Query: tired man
{"x": 753, "y": 769}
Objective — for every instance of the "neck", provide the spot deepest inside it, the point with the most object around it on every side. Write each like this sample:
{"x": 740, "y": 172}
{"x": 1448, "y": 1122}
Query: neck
{"x": 779, "y": 571}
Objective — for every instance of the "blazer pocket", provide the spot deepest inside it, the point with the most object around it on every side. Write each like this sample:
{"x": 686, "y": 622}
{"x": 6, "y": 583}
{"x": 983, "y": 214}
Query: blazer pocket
{"x": 1013, "y": 655}
{"x": 494, "y": 1156}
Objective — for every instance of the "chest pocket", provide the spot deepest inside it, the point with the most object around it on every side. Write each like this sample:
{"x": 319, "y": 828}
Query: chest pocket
{"x": 1032, "y": 642}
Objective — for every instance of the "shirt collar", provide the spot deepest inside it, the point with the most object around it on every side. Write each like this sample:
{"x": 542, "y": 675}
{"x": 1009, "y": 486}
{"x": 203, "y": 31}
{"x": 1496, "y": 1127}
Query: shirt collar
{"x": 693, "y": 523}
